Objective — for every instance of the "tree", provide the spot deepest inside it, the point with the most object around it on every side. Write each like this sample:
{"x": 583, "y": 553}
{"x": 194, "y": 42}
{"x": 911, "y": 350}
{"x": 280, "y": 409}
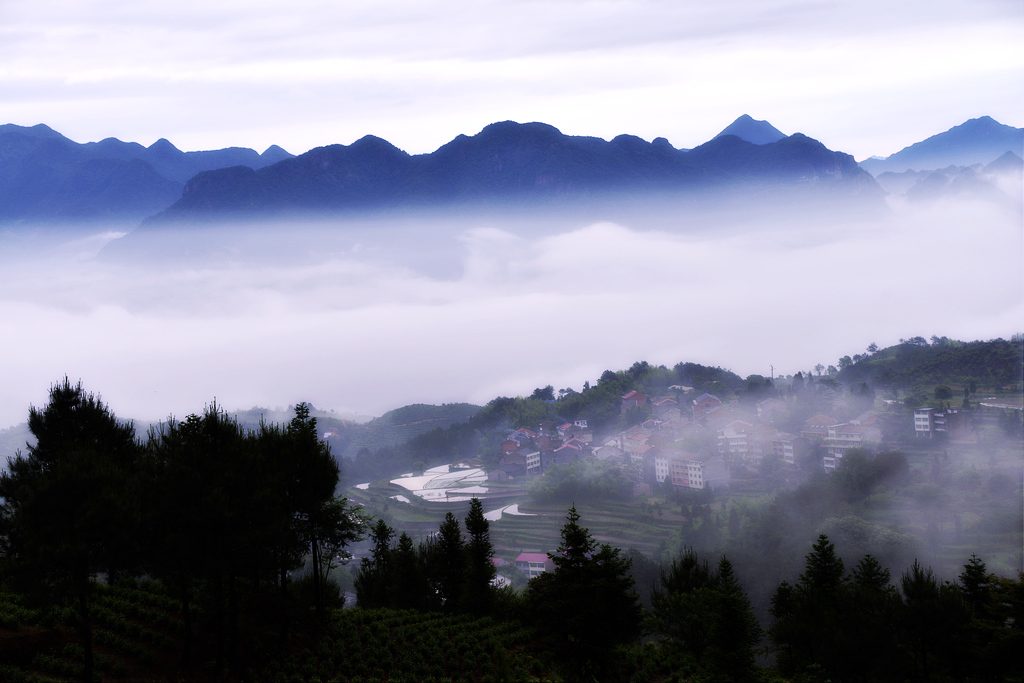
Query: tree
{"x": 943, "y": 393}
{"x": 734, "y": 632}
{"x": 374, "y": 575}
{"x": 71, "y": 507}
{"x": 681, "y": 604}
{"x": 480, "y": 570}
{"x": 329, "y": 530}
{"x": 807, "y": 626}
{"x": 448, "y": 566}
{"x": 933, "y": 621}
{"x": 705, "y": 619}
{"x": 587, "y": 606}
{"x": 544, "y": 393}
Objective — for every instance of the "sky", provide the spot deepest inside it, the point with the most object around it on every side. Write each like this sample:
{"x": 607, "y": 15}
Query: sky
{"x": 365, "y": 319}
{"x": 866, "y": 77}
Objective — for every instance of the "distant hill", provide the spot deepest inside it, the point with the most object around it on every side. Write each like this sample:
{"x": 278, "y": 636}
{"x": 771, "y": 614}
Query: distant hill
{"x": 508, "y": 163}
{"x": 916, "y": 362}
{"x": 44, "y": 176}
{"x": 999, "y": 182}
{"x": 977, "y": 141}
{"x": 394, "y": 427}
{"x": 753, "y": 131}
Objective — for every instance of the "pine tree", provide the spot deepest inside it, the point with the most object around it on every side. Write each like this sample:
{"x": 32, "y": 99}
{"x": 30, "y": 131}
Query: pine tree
{"x": 448, "y": 566}
{"x": 734, "y": 632}
{"x": 587, "y": 606}
{"x": 478, "y": 594}
{"x": 71, "y": 507}
{"x": 374, "y": 575}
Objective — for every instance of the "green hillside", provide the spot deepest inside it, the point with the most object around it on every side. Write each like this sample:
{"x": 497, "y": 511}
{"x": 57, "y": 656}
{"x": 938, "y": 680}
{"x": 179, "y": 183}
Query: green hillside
{"x": 996, "y": 364}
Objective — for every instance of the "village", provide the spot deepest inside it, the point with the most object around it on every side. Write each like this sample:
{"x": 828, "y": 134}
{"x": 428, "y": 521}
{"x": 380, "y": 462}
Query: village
{"x": 741, "y": 439}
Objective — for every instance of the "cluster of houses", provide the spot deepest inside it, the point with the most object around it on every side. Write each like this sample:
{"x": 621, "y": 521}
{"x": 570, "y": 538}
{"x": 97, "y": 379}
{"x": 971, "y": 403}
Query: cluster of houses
{"x": 655, "y": 447}
{"x": 744, "y": 438}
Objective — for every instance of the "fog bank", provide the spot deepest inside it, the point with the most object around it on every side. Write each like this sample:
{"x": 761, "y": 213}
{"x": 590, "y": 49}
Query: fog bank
{"x": 368, "y": 316}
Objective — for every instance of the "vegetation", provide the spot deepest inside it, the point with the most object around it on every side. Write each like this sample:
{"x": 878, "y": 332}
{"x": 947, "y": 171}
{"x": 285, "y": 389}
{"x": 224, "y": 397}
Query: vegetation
{"x": 241, "y": 583}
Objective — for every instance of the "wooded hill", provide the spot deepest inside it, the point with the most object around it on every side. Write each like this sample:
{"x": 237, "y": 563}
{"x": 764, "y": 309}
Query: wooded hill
{"x": 993, "y": 364}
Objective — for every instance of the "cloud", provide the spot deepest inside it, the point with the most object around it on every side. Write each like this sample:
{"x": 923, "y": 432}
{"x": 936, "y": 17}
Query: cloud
{"x": 362, "y": 316}
{"x": 867, "y": 77}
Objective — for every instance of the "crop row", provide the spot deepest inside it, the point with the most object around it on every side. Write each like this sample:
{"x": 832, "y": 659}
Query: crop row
{"x": 143, "y": 612}
{"x": 390, "y": 645}
{"x": 116, "y": 622}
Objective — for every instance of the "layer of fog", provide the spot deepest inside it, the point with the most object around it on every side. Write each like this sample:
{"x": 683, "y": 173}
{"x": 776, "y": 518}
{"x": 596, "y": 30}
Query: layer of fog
{"x": 371, "y": 315}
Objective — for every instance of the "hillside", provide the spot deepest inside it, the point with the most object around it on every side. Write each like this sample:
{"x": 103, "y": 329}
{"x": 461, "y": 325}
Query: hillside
{"x": 993, "y": 364}
{"x": 393, "y": 427}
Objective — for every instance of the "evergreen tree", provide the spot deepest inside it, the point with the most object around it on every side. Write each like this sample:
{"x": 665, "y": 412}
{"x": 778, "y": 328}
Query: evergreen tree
{"x": 870, "y": 624}
{"x": 410, "y": 587}
{"x": 807, "y": 628}
{"x": 681, "y": 604}
{"x": 587, "y": 606}
{"x": 734, "y": 632}
{"x": 479, "y": 592}
{"x": 933, "y": 622}
{"x": 71, "y": 507}
{"x": 375, "y": 572}
{"x": 448, "y": 566}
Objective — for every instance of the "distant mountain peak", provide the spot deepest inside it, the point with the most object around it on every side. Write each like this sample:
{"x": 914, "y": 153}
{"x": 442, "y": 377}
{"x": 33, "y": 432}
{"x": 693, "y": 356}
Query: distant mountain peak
{"x": 975, "y": 141}
{"x": 753, "y": 131}
{"x": 163, "y": 145}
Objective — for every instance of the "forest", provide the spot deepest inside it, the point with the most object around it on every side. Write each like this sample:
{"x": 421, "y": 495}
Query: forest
{"x": 206, "y": 550}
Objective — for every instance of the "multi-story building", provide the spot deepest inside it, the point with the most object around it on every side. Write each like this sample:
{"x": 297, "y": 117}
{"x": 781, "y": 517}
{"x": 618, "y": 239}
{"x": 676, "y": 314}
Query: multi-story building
{"x": 534, "y": 564}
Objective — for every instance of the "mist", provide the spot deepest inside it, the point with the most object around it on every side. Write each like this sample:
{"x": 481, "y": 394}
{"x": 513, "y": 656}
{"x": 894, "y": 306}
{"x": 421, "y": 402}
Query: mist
{"x": 368, "y": 314}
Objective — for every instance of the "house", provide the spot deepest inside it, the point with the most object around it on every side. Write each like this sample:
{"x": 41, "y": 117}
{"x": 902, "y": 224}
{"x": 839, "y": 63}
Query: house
{"x": 817, "y": 427}
{"x": 768, "y": 408}
{"x": 636, "y": 439}
{"x": 747, "y": 443}
{"x": 525, "y": 457}
{"x": 784, "y": 446}
{"x": 703, "y": 404}
{"x": 610, "y": 453}
{"x": 952, "y": 422}
{"x": 661, "y": 467}
{"x": 733, "y": 439}
{"x": 633, "y": 399}
{"x": 548, "y": 443}
{"x": 506, "y": 472}
{"x": 697, "y": 471}
{"x": 718, "y": 417}
{"x": 534, "y": 564}
{"x": 663, "y": 406}
{"x": 842, "y": 437}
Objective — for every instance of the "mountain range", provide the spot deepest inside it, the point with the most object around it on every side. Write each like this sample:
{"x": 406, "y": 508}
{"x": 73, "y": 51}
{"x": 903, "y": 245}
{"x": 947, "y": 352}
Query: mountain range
{"x": 977, "y": 141}
{"x": 46, "y": 177}
{"x": 507, "y": 162}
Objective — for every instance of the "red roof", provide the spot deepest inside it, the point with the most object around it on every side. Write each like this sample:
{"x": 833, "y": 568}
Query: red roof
{"x": 532, "y": 557}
